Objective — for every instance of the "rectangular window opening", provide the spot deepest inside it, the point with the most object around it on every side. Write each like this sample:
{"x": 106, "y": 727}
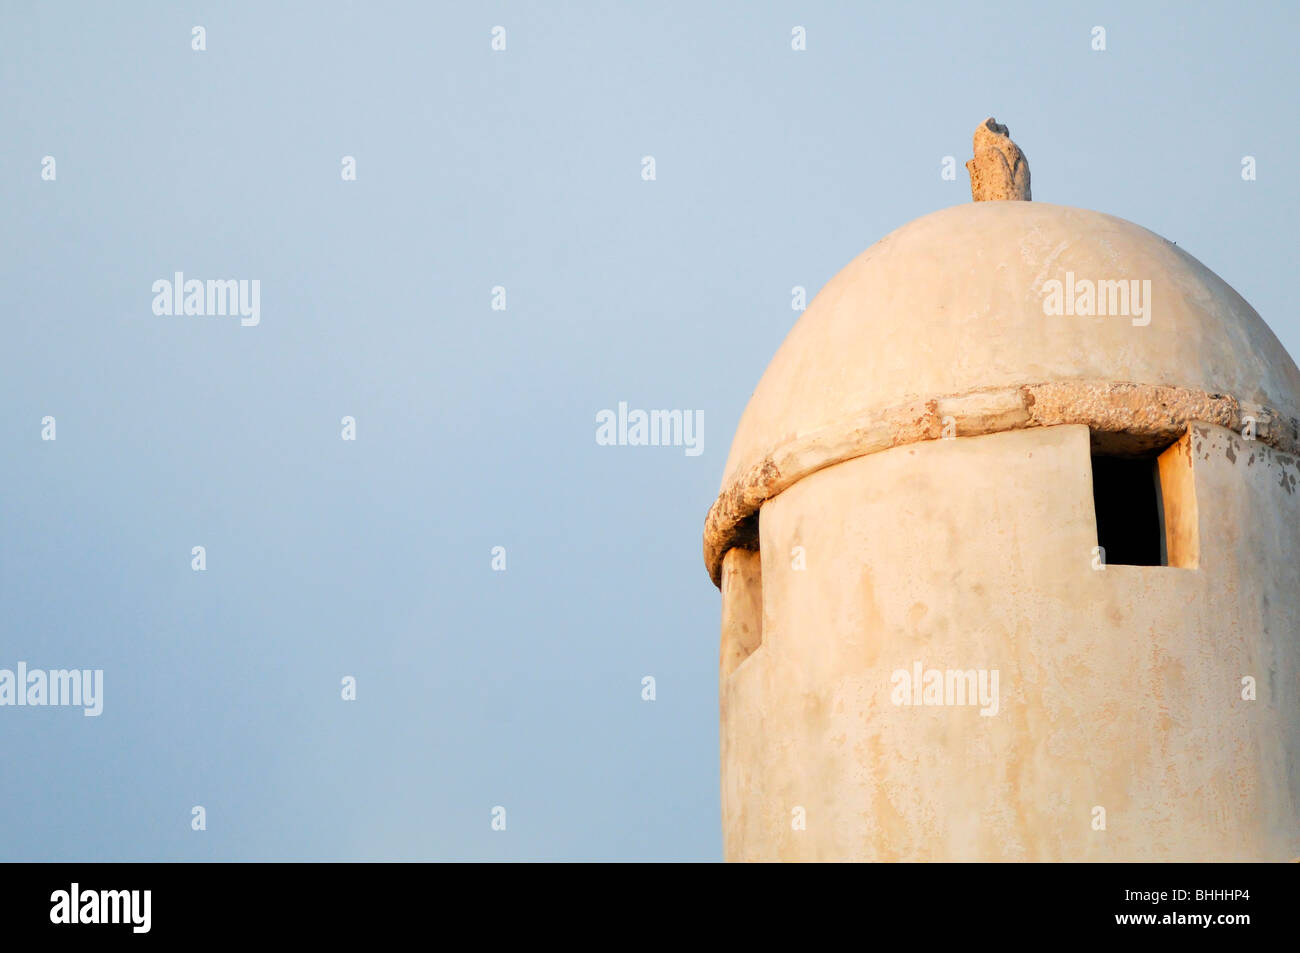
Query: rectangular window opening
{"x": 742, "y": 607}
{"x": 1145, "y": 503}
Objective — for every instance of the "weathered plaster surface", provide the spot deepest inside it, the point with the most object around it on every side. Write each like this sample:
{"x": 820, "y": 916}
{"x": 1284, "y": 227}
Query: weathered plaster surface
{"x": 1146, "y": 416}
{"x": 953, "y": 304}
{"x": 922, "y": 441}
{"x": 1120, "y": 688}
{"x": 946, "y": 316}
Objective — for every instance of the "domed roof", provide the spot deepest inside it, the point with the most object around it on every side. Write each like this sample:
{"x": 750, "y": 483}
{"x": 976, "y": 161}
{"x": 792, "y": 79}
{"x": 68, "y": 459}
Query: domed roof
{"x": 960, "y": 311}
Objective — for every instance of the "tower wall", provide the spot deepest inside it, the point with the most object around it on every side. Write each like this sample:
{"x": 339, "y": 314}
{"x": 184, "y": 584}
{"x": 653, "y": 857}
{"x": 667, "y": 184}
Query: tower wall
{"x": 1118, "y": 689}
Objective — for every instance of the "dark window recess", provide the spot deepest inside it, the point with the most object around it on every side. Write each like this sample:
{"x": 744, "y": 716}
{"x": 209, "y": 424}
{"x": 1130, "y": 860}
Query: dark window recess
{"x": 1130, "y": 519}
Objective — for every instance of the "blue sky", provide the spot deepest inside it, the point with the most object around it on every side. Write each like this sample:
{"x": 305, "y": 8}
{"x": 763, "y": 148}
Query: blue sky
{"x": 519, "y": 168}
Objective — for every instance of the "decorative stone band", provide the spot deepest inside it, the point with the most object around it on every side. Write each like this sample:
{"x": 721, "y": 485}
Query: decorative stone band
{"x": 1143, "y": 415}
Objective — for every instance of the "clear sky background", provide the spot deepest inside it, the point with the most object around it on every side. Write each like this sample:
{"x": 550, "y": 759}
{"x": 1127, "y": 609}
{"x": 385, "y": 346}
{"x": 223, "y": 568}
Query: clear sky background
{"x": 475, "y": 427}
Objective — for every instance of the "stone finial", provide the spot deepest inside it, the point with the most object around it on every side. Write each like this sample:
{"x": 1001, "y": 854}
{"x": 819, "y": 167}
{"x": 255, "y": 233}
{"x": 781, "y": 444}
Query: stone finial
{"x": 999, "y": 171}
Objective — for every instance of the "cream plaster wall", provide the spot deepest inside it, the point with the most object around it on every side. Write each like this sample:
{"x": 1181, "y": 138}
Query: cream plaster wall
{"x": 1118, "y": 688}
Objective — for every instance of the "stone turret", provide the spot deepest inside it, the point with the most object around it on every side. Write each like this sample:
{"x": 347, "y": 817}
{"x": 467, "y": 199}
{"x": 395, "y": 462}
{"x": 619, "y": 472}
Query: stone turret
{"x": 1009, "y": 549}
